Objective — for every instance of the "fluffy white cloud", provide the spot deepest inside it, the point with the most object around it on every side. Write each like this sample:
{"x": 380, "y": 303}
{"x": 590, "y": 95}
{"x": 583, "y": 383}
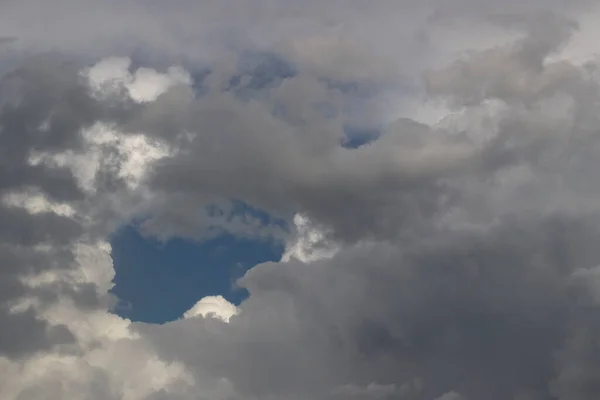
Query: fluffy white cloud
{"x": 142, "y": 85}
{"x": 212, "y": 306}
{"x": 110, "y": 361}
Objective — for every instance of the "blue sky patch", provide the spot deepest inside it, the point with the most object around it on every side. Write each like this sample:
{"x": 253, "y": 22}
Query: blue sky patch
{"x": 258, "y": 71}
{"x": 355, "y": 137}
{"x": 157, "y": 282}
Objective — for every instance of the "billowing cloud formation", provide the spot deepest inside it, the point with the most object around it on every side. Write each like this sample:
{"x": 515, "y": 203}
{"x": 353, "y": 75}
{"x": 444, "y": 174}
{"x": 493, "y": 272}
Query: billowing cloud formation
{"x": 454, "y": 256}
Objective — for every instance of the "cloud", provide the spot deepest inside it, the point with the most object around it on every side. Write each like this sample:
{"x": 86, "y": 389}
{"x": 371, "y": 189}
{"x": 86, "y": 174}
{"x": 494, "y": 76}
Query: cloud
{"x": 309, "y": 244}
{"x": 484, "y": 316}
{"x": 372, "y": 390}
{"x": 35, "y": 240}
{"x": 212, "y": 306}
{"x": 110, "y": 361}
{"x": 467, "y": 293}
{"x": 450, "y": 258}
{"x": 300, "y": 167}
{"x": 143, "y": 86}
{"x": 7, "y": 40}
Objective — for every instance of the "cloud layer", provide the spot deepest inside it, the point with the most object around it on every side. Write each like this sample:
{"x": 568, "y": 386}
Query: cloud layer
{"x": 452, "y": 256}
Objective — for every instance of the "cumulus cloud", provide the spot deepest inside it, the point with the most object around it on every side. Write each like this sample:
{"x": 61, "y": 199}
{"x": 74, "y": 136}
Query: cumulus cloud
{"x": 454, "y": 256}
{"x": 212, "y": 306}
{"x": 308, "y": 244}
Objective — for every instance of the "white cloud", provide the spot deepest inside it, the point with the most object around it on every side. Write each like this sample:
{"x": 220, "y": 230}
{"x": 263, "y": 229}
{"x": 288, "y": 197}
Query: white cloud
{"x": 450, "y": 396}
{"x": 308, "y": 243}
{"x": 36, "y": 203}
{"x": 143, "y": 85}
{"x": 212, "y": 306}
{"x": 580, "y": 48}
{"x": 129, "y": 152}
{"x": 111, "y": 359}
{"x": 370, "y": 391}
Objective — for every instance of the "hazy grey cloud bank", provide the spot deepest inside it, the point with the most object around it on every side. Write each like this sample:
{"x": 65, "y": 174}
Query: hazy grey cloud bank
{"x": 455, "y": 257}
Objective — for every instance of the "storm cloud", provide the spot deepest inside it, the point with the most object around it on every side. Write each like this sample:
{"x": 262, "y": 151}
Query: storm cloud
{"x": 451, "y": 254}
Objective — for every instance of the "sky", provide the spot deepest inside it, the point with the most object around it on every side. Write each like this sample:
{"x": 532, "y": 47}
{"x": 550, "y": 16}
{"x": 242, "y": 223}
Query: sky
{"x": 299, "y": 199}
{"x": 157, "y": 282}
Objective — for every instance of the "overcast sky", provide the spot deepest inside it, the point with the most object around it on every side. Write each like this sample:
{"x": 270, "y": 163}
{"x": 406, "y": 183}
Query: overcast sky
{"x": 451, "y": 253}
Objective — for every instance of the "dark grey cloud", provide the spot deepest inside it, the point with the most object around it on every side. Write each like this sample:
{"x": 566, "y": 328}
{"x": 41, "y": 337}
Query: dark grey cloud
{"x": 44, "y": 105}
{"x": 24, "y": 333}
{"x": 467, "y": 278}
{"x": 7, "y": 40}
{"x": 280, "y": 152}
{"x": 468, "y": 258}
{"x": 488, "y": 316}
{"x": 294, "y": 163}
